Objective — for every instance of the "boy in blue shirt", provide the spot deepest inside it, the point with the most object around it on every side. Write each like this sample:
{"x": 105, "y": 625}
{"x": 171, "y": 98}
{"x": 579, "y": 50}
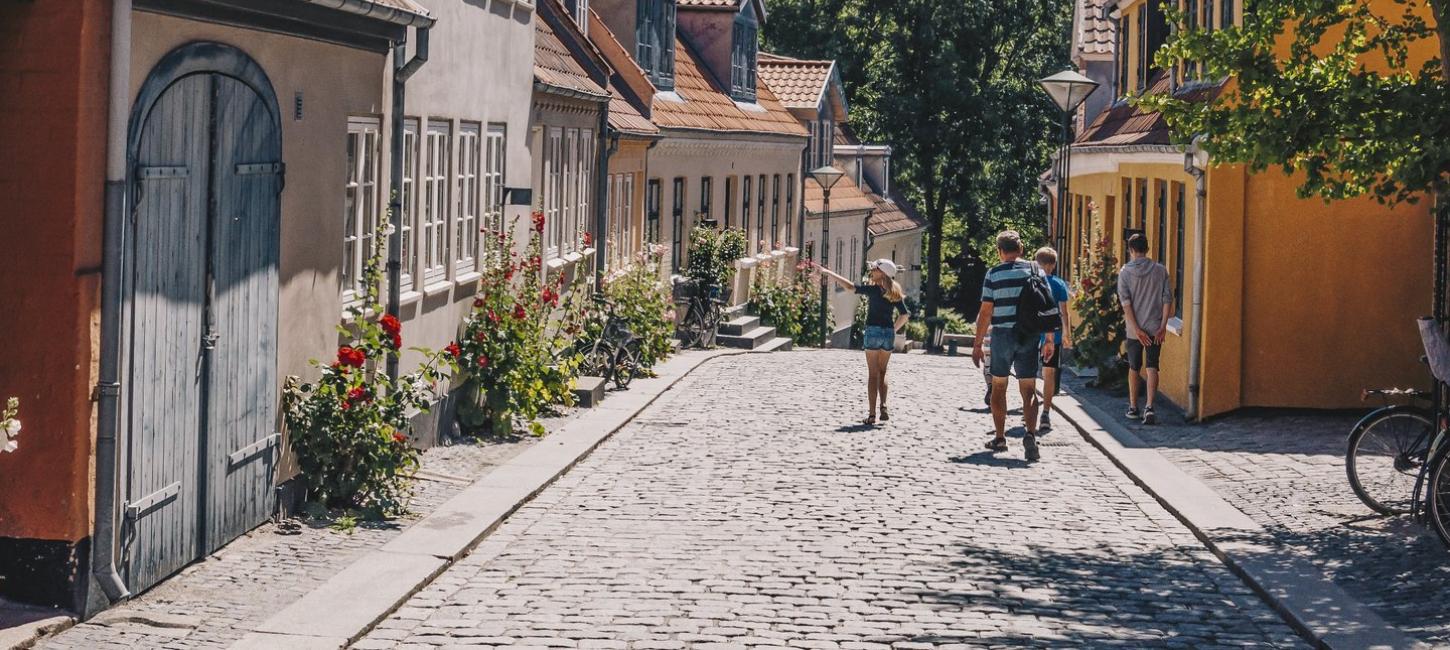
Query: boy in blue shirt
{"x": 1046, "y": 258}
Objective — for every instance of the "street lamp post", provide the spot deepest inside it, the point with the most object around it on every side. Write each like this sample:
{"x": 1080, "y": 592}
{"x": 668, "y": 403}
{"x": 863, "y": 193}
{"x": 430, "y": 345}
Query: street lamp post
{"x": 1068, "y": 89}
{"x": 826, "y": 176}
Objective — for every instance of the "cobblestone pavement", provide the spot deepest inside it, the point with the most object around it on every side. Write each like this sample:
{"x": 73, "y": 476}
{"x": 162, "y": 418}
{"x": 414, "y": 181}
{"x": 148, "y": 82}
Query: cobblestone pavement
{"x": 212, "y": 603}
{"x": 744, "y": 510}
{"x": 1286, "y": 471}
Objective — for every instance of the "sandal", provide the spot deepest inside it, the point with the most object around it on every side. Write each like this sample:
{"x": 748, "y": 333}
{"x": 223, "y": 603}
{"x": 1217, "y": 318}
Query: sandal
{"x": 997, "y": 444}
{"x": 884, "y": 416}
{"x": 870, "y": 421}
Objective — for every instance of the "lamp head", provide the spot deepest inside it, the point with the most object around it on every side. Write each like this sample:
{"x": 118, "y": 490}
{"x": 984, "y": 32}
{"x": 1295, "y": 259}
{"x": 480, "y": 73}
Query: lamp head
{"x": 1068, "y": 89}
{"x": 827, "y": 176}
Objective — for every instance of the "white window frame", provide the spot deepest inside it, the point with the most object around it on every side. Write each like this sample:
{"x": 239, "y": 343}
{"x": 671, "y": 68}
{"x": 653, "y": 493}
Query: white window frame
{"x": 470, "y": 199}
{"x": 408, "y": 199}
{"x": 495, "y": 152}
{"x": 436, "y": 203}
{"x": 627, "y": 207}
{"x": 361, "y": 192}
{"x": 569, "y": 193}
{"x": 584, "y": 171}
{"x": 553, "y": 159}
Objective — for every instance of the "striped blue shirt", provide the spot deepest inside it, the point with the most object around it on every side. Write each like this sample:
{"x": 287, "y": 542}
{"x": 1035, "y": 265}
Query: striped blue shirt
{"x": 1002, "y": 287}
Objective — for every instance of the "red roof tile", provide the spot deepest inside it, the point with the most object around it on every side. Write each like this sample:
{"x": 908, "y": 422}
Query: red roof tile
{"x": 893, "y": 214}
{"x": 708, "y": 108}
{"x": 798, "y": 83}
{"x": 1125, "y": 124}
{"x": 625, "y": 117}
{"x": 555, "y": 66}
{"x": 845, "y": 197}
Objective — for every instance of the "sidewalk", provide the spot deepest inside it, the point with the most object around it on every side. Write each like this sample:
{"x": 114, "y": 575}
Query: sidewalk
{"x": 1285, "y": 472}
{"x": 219, "y": 601}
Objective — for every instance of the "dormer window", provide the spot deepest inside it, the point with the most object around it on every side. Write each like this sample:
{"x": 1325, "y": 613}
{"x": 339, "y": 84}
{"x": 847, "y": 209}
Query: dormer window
{"x": 579, "y": 11}
{"x": 654, "y": 35}
{"x": 743, "y": 45}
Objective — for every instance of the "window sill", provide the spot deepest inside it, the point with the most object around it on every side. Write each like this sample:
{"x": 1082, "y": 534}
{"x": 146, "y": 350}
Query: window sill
{"x": 468, "y": 278}
{"x": 409, "y": 297}
{"x": 441, "y": 286}
{"x": 1175, "y": 325}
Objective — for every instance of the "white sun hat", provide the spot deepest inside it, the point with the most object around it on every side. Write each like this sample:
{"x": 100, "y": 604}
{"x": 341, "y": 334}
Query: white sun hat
{"x": 885, "y": 266}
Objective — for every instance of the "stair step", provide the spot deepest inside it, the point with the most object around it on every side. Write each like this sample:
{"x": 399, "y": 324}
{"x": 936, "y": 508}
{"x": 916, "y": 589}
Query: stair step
{"x": 747, "y": 341}
{"x": 739, "y": 325}
{"x": 777, "y": 344}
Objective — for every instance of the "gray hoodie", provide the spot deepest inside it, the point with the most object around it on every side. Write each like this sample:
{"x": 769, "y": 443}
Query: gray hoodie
{"x": 1143, "y": 287}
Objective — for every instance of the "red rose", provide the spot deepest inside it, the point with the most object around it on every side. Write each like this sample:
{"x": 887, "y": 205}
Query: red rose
{"x": 519, "y": 312}
{"x": 390, "y": 324}
{"x": 397, "y": 341}
{"x": 478, "y": 302}
{"x": 358, "y": 394}
{"x": 399, "y": 438}
{"x": 454, "y": 350}
{"x": 351, "y": 357}
{"x": 483, "y": 361}
{"x": 538, "y": 222}
{"x": 346, "y": 405}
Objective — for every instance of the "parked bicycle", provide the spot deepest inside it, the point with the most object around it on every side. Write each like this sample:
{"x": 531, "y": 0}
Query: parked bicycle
{"x": 704, "y": 307}
{"x": 614, "y": 354}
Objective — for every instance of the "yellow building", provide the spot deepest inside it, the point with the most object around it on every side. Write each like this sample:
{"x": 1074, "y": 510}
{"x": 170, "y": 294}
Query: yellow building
{"x": 1279, "y": 301}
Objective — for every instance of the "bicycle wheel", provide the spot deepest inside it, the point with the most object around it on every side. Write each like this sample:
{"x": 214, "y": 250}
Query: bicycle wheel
{"x": 692, "y": 329}
{"x": 709, "y": 325}
{"x": 1437, "y": 495}
{"x": 626, "y": 364}
{"x": 1385, "y": 452}
{"x": 594, "y": 360}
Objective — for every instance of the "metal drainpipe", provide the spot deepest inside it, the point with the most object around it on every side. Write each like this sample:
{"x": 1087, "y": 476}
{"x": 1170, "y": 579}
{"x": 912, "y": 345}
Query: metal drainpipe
{"x": 608, "y": 144}
{"x": 108, "y": 386}
{"x": 401, "y": 73}
{"x": 1195, "y": 326}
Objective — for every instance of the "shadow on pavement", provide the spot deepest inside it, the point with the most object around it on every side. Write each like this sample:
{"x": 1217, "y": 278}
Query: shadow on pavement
{"x": 991, "y": 459}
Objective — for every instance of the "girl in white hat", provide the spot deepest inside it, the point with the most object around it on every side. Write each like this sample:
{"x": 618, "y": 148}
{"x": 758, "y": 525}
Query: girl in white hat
{"x": 884, "y": 299}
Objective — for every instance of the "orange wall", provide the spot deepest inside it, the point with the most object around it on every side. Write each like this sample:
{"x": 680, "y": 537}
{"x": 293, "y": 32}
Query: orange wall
{"x": 53, "y": 76}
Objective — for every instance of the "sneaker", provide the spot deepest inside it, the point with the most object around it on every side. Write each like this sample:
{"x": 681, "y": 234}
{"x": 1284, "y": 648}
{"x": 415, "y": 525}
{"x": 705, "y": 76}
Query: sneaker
{"x": 997, "y": 444}
{"x": 1149, "y": 417}
{"x": 1029, "y": 447}
{"x": 1133, "y": 413}
{"x": 1046, "y": 424}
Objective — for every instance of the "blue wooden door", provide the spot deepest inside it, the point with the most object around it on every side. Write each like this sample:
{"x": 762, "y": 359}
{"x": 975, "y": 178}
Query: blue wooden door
{"x": 202, "y": 263}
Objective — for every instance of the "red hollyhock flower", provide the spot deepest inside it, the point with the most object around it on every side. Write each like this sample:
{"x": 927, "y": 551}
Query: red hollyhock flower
{"x": 358, "y": 394}
{"x": 519, "y": 312}
{"x": 550, "y": 297}
{"x": 483, "y": 361}
{"x": 588, "y": 239}
{"x": 478, "y": 302}
{"x": 481, "y": 336}
{"x": 454, "y": 350}
{"x": 390, "y": 324}
{"x": 508, "y": 273}
{"x": 397, "y": 341}
{"x": 351, "y": 357}
{"x": 493, "y": 316}
{"x": 399, "y": 438}
{"x": 346, "y": 405}
{"x": 538, "y": 222}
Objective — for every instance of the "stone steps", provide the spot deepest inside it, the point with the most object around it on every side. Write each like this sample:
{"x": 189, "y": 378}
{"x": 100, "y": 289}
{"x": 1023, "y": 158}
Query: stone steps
{"x": 748, "y": 340}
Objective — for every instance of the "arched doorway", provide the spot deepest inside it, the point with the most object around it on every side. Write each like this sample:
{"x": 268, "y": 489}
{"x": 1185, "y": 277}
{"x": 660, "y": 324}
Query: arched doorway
{"x": 201, "y": 255}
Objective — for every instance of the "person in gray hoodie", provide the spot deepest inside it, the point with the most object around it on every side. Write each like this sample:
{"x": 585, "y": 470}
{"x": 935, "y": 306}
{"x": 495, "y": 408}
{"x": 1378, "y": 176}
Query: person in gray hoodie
{"x": 1147, "y": 299}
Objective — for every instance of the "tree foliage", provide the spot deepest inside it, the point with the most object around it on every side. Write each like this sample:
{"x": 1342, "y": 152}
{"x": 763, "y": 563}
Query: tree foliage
{"x": 950, "y": 85}
{"x": 1328, "y": 88}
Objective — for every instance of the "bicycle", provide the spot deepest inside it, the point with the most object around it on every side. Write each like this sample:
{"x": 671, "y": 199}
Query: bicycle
{"x": 1387, "y": 450}
{"x": 614, "y": 354}
{"x": 704, "y": 308}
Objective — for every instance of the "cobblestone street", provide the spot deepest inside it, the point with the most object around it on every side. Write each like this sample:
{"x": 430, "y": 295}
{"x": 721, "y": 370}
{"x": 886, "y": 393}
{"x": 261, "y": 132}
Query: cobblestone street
{"x": 745, "y": 509}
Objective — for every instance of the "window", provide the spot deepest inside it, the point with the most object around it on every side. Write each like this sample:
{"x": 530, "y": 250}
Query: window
{"x": 745, "y": 209}
{"x": 493, "y": 186}
{"x": 811, "y": 146}
{"x": 1226, "y": 14}
{"x": 360, "y": 219}
{"x": 553, "y": 190}
{"x": 1192, "y": 15}
{"x": 677, "y": 219}
{"x": 1125, "y": 46}
{"x": 568, "y": 192}
{"x": 435, "y": 201}
{"x": 855, "y": 249}
{"x": 760, "y": 213}
{"x": 652, "y": 212}
{"x": 1179, "y": 216}
{"x": 583, "y": 178}
{"x": 407, "y": 194}
{"x": 1143, "y": 46}
{"x": 579, "y": 9}
{"x": 789, "y": 209}
{"x": 840, "y": 257}
{"x": 1143, "y": 203}
{"x": 627, "y": 209}
{"x": 775, "y": 211}
{"x": 654, "y": 34}
{"x": 1127, "y": 203}
{"x": 465, "y": 223}
{"x": 825, "y": 145}
{"x": 705, "y": 189}
{"x": 729, "y": 200}
{"x": 1161, "y": 187}
{"x": 744, "y": 40}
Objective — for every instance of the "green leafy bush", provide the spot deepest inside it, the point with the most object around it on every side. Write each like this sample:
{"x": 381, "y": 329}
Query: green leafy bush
{"x": 791, "y": 307}
{"x": 644, "y": 304}
{"x": 511, "y": 351}
{"x": 349, "y": 429}
{"x": 713, "y": 253}
{"x": 1099, "y": 335}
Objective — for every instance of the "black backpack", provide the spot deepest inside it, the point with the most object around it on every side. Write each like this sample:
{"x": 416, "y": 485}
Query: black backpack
{"x": 1036, "y": 310}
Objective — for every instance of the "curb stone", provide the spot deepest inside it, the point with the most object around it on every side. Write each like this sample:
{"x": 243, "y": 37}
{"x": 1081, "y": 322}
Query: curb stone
{"x": 26, "y": 634}
{"x": 1300, "y": 592}
{"x": 348, "y": 605}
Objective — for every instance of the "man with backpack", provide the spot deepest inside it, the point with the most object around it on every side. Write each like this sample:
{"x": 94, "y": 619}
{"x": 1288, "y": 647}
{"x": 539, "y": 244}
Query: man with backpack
{"x": 1017, "y": 308}
{"x": 1147, "y": 299}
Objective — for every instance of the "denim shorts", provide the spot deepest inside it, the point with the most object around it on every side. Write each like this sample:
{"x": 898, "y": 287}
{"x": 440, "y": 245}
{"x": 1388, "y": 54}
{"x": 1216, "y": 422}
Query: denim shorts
{"x": 1012, "y": 351}
{"x": 879, "y": 338}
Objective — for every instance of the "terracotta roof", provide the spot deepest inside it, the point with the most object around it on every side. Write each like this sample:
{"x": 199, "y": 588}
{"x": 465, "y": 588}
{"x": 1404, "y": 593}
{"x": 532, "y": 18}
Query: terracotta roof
{"x": 709, "y": 3}
{"x": 845, "y": 197}
{"x": 556, "y": 67}
{"x": 798, "y": 83}
{"x": 1125, "y": 124}
{"x": 624, "y": 116}
{"x": 1096, "y": 30}
{"x": 846, "y": 136}
{"x": 708, "y": 108}
{"x": 893, "y": 214}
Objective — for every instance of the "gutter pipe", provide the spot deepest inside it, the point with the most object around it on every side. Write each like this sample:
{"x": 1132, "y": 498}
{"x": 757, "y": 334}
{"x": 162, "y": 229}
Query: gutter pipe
{"x": 608, "y": 144}
{"x": 401, "y": 73}
{"x": 108, "y": 384}
{"x": 1195, "y": 161}
{"x": 377, "y": 11}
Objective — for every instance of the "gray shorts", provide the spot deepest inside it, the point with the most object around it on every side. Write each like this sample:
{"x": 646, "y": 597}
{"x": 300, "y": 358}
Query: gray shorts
{"x": 1014, "y": 352}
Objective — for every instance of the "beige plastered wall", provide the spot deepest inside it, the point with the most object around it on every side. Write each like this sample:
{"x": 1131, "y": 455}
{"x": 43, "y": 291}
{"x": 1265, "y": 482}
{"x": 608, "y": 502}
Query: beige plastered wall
{"x": 844, "y": 226}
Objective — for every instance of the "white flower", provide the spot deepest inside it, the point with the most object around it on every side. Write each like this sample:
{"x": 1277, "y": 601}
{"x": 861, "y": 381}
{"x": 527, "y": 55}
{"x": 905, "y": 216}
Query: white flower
{"x": 388, "y": 230}
{"x": 9, "y": 446}
{"x": 12, "y": 428}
